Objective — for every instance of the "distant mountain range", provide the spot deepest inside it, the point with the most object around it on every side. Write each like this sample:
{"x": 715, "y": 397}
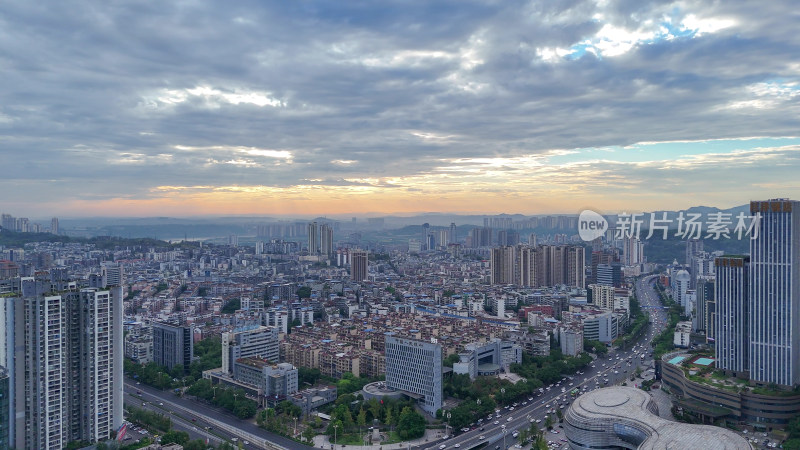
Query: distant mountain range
{"x": 216, "y": 227}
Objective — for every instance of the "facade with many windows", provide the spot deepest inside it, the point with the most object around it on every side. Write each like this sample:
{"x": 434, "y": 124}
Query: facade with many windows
{"x": 253, "y": 341}
{"x": 62, "y": 348}
{"x": 173, "y": 345}
{"x": 774, "y": 303}
{"x": 415, "y": 367}
{"x": 731, "y": 302}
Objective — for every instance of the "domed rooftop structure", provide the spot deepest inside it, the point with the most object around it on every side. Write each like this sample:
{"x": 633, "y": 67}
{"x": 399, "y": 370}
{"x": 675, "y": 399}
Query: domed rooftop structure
{"x": 623, "y": 417}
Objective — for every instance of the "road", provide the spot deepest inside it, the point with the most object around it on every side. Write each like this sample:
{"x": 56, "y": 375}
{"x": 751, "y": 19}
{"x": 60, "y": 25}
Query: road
{"x": 205, "y": 415}
{"x": 613, "y": 369}
{"x": 178, "y": 422}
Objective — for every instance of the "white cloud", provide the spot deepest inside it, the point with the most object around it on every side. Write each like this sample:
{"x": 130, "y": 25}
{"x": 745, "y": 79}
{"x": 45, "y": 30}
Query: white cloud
{"x": 706, "y": 25}
{"x": 210, "y": 97}
{"x": 253, "y": 151}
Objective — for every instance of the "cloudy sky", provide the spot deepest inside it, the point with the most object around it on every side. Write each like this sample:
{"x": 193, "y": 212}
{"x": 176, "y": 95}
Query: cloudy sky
{"x": 331, "y": 107}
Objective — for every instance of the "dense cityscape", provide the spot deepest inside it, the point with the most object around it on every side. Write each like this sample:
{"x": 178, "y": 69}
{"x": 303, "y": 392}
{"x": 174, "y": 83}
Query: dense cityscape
{"x": 499, "y": 334}
{"x": 400, "y": 225}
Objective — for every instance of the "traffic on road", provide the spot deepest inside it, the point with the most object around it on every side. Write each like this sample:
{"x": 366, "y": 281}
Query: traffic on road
{"x": 498, "y": 431}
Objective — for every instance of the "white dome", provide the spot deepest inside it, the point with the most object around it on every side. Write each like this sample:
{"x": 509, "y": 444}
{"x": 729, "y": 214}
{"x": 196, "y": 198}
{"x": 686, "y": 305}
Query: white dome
{"x": 683, "y": 275}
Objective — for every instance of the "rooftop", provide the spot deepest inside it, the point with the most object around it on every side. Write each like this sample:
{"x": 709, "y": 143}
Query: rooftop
{"x": 630, "y": 406}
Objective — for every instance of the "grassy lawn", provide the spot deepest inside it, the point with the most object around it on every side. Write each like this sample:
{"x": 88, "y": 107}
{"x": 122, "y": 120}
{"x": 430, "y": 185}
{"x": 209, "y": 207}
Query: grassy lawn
{"x": 349, "y": 439}
{"x": 393, "y": 438}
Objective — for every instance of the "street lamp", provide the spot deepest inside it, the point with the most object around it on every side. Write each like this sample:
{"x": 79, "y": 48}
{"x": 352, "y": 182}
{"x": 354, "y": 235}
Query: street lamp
{"x": 335, "y": 428}
{"x": 504, "y": 438}
{"x": 447, "y": 424}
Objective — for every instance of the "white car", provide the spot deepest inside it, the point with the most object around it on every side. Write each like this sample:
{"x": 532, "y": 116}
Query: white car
{"x": 457, "y": 445}
{"x": 482, "y": 437}
{"x": 509, "y": 419}
{"x": 442, "y": 447}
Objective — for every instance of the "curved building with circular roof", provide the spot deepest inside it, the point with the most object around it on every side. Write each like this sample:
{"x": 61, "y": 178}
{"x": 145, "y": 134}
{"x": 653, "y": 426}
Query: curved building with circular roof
{"x": 622, "y": 417}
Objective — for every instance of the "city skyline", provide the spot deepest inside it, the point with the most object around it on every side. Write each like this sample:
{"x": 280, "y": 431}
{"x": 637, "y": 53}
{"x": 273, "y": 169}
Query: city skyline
{"x": 321, "y": 108}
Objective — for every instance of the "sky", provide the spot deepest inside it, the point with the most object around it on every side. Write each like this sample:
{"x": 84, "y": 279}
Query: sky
{"x": 186, "y": 108}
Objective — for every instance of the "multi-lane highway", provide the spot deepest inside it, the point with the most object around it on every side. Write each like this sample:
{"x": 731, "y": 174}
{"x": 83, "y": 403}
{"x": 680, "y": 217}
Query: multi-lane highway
{"x": 179, "y": 422}
{"x": 201, "y": 416}
{"x": 612, "y": 369}
{"x": 194, "y": 417}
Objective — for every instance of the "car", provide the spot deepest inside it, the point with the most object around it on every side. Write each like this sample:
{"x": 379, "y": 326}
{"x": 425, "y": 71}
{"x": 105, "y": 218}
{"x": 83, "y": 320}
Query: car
{"x": 138, "y": 392}
{"x": 246, "y": 442}
{"x": 482, "y": 437}
{"x": 538, "y": 420}
{"x": 547, "y": 406}
{"x": 160, "y": 403}
{"x": 442, "y": 447}
{"x": 137, "y": 383}
{"x": 482, "y": 428}
{"x": 457, "y": 445}
{"x": 497, "y": 422}
{"x": 511, "y": 409}
{"x": 194, "y": 419}
{"x": 509, "y": 419}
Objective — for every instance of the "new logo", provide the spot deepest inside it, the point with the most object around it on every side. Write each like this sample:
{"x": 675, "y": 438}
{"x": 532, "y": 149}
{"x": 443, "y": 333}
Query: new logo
{"x": 591, "y": 225}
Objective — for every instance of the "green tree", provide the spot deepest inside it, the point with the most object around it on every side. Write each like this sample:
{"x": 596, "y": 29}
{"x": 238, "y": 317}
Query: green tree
{"x": 309, "y": 434}
{"x": 451, "y": 359}
{"x": 389, "y": 418}
{"x": 411, "y": 424}
{"x": 539, "y": 442}
{"x": 548, "y": 422}
{"x": 231, "y": 306}
{"x": 175, "y": 437}
{"x": 522, "y": 437}
{"x": 792, "y": 444}
{"x": 197, "y": 444}
{"x": 304, "y": 292}
{"x": 361, "y": 420}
